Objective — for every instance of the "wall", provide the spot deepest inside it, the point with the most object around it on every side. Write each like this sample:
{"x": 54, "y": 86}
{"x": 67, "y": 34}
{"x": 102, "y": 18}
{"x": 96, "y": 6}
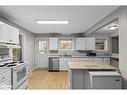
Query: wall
{"x": 121, "y": 15}
{"x": 29, "y": 42}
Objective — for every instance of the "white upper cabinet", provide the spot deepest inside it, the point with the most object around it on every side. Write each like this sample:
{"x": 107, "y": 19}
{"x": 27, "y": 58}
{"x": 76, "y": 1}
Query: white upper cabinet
{"x": 53, "y": 43}
{"x": 90, "y": 43}
{"x": 81, "y": 43}
{"x": 85, "y": 43}
{"x": 9, "y": 34}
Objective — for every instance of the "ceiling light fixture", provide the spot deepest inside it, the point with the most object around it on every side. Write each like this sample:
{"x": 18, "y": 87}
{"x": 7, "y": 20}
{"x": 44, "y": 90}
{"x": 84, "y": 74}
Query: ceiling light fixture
{"x": 112, "y": 27}
{"x": 51, "y": 22}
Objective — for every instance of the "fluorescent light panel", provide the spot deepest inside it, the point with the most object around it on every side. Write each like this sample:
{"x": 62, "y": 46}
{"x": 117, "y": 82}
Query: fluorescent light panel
{"x": 112, "y": 27}
{"x": 52, "y": 22}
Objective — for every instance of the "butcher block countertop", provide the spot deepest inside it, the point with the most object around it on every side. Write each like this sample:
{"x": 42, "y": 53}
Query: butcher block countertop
{"x": 81, "y": 65}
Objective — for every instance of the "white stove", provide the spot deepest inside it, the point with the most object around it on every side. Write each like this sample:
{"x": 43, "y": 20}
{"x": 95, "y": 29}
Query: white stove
{"x": 19, "y": 71}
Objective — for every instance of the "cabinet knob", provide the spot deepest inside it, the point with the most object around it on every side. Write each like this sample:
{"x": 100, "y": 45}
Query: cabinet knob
{"x": 10, "y": 40}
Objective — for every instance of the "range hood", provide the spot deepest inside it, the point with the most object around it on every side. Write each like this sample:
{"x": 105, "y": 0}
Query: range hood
{"x": 5, "y": 45}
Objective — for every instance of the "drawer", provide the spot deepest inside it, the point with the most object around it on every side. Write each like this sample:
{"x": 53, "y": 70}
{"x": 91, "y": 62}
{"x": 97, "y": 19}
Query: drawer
{"x": 5, "y": 85}
{"x": 3, "y": 70}
{"x": 5, "y": 77}
{"x": 106, "y": 82}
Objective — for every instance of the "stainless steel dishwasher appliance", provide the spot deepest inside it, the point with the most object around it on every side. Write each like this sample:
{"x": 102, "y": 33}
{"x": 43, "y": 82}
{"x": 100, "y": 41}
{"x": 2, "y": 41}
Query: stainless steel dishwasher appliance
{"x": 53, "y": 64}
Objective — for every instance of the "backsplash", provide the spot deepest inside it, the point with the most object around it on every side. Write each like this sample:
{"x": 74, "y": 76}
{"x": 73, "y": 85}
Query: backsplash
{"x": 78, "y": 53}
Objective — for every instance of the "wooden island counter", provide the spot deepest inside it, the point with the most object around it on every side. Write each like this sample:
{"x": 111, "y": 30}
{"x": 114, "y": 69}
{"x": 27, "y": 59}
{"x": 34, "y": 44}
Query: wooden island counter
{"x": 78, "y": 72}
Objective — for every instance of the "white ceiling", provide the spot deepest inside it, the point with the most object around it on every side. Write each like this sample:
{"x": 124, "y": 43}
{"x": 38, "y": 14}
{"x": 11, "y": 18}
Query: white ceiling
{"x": 106, "y": 31}
{"x": 81, "y": 17}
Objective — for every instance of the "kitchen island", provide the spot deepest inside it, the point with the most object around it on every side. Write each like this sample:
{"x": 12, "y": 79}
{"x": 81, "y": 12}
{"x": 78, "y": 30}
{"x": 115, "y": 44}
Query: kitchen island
{"x": 78, "y": 72}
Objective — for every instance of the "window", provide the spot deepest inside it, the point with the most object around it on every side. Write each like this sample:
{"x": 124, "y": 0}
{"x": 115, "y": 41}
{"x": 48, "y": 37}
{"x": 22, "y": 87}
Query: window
{"x": 65, "y": 44}
{"x": 43, "y": 47}
{"x": 18, "y": 52}
{"x": 101, "y": 44}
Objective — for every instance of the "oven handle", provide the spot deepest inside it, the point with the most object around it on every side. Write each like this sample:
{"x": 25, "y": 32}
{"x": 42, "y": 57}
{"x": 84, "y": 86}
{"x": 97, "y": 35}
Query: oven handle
{"x": 17, "y": 68}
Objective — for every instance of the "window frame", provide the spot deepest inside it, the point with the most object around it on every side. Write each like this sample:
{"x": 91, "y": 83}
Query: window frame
{"x": 46, "y": 47}
{"x": 105, "y": 44}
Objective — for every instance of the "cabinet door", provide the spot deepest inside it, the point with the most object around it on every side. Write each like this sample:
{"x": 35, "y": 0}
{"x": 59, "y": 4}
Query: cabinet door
{"x": 86, "y": 59}
{"x": 99, "y": 60}
{"x": 5, "y": 33}
{"x": 80, "y": 43}
{"x": 10, "y": 34}
{"x": 76, "y": 79}
{"x": 14, "y": 35}
{"x": 107, "y": 60}
{"x": 106, "y": 82}
{"x": 53, "y": 44}
{"x": 90, "y": 43}
{"x": 62, "y": 64}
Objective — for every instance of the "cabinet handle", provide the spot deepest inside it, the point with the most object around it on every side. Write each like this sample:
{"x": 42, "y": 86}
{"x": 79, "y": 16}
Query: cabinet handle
{"x": 117, "y": 80}
{"x": 10, "y": 40}
{"x": 2, "y": 79}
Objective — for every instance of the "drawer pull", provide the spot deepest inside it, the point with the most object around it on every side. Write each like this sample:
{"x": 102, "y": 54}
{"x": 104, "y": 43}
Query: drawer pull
{"x": 117, "y": 80}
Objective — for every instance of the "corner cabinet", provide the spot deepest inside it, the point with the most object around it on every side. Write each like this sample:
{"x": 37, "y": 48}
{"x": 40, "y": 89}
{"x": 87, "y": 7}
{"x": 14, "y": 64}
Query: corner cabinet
{"x": 53, "y": 43}
{"x": 9, "y": 34}
{"x": 85, "y": 43}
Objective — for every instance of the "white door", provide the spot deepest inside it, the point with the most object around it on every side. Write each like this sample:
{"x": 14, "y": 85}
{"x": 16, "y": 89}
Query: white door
{"x": 41, "y": 48}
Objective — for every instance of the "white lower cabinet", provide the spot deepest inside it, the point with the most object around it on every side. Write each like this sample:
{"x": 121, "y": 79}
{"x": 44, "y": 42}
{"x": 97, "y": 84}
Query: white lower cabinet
{"x": 102, "y": 60}
{"x": 107, "y": 60}
{"x": 87, "y": 59}
{"x": 64, "y": 63}
{"x": 5, "y": 79}
{"x": 99, "y": 60}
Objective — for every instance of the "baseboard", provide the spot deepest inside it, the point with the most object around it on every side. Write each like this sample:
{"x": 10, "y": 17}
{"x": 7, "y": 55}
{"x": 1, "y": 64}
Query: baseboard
{"x": 63, "y": 70}
{"x": 44, "y": 68}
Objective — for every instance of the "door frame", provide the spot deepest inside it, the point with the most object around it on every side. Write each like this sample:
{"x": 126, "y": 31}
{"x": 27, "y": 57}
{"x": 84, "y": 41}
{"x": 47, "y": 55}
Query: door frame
{"x": 37, "y": 39}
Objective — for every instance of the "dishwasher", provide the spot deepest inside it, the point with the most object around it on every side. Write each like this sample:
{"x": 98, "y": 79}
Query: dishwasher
{"x": 53, "y": 64}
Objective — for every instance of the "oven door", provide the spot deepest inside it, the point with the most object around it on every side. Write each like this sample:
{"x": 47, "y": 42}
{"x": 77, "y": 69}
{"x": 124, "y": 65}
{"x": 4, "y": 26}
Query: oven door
{"x": 19, "y": 75}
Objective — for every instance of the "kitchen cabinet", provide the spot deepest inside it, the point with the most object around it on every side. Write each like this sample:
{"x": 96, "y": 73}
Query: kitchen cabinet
{"x": 76, "y": 79}
{"x": 107, "y": 60}
{"x": 99, "y": 60}
{"x": 102, "y": 60}
{"x": 87, "y": 59}
{"x": 9, "y": 34}
{"x": 64, "y": 63}
{"x": 104, "y": 80}
{"x": 5, "y": 79}
{"x": 85, "y": 43}
{"x": 53, "y": 43}
{"x": 90, "y": 43}
{"x": 81, "y": 43}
